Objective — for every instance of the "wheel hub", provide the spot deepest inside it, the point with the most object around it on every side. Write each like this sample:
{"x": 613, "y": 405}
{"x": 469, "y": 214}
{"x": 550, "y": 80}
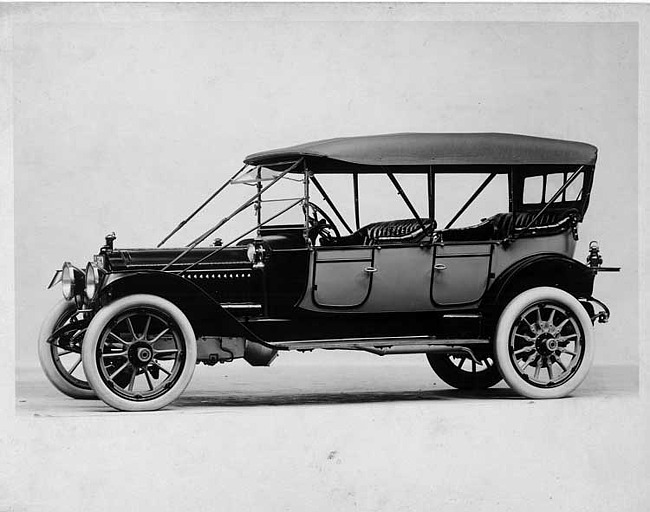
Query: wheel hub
{"x": 546, "y": 344}
{"x": 140, "y": 354}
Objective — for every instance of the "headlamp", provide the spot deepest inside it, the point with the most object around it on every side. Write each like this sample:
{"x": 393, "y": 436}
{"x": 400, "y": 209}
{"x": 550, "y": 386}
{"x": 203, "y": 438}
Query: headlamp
{"x": 71, "y": 280}
{"x": 93, "y": 278}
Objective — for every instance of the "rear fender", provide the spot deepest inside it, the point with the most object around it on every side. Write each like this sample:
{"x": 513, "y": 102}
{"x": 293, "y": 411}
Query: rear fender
{"x": 547, "y": 269}
{"x": 204, "y": 312}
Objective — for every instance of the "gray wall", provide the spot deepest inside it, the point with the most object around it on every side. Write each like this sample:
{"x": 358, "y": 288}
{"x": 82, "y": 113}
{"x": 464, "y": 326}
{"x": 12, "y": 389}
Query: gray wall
{"x": 126, "y": 123}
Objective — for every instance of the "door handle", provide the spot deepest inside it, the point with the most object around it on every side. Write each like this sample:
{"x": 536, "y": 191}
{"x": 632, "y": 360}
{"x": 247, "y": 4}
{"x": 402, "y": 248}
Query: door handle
{"x": 370, "y": 270}
{"x": 440, "y": 266}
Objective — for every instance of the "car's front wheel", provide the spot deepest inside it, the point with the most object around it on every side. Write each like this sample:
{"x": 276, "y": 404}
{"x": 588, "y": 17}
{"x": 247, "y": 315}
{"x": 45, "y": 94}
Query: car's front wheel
{"x": 462, "y": 372}
{"x": 139, "y": 353}
{"x": 60, "y": 356}
{"x": 544, "y": 343}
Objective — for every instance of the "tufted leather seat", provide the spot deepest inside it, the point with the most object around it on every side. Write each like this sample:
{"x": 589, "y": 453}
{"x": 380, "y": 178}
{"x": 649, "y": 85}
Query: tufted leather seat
{"x": 499, "y": 226}
{"x": 549, "y": 223}
{"x": 404, "y": 230}
{"x": 392, "y": 231}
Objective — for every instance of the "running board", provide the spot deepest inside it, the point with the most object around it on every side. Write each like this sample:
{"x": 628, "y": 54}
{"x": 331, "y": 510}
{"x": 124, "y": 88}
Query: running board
{"x": 385, "y": 345}
{"x": 422, "y": 349}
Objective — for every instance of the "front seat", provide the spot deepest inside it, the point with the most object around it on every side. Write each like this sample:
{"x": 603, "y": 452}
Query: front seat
{"x": 391, "y": 231}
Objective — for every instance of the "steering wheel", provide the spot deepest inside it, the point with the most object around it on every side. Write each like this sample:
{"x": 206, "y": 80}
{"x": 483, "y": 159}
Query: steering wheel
{"x": 323, "y": 227}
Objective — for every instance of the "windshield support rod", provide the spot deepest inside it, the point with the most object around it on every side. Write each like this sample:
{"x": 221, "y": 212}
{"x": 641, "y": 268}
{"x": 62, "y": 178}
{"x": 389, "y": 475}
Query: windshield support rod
{"x": 305, "y": 204}
{"x": 236, "y": 212}
{"x": 205, "y": 203}
{"x": 431, "y": 183}
{"x": 403, "y": 195}
{"x": 355, "y": 186}
{"x": 548, "y": 204}
{"x": 221, "y": 248}
{"x": 471, "y": 199}
{"x": 330, "y": 203}
{"x": 258, "y": 201}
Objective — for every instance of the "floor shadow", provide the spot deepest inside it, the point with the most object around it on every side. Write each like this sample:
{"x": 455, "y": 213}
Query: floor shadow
{"x": 35, "y": 396}
{"x": 329, "y": 398}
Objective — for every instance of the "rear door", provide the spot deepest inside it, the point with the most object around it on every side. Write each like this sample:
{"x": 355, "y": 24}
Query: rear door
{"x": 402, "y": 279}
{"x": 460, "y": 273}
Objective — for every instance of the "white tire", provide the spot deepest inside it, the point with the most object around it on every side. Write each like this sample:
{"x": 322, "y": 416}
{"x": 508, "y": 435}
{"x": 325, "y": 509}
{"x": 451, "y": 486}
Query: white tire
{"x": 139, "y": 353}
{"x": 544, "y": 343}
{"x": 62, "y": 366}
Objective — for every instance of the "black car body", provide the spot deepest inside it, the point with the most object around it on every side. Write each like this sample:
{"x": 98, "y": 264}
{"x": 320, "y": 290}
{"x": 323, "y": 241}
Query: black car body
{"x": 396, "y": 286}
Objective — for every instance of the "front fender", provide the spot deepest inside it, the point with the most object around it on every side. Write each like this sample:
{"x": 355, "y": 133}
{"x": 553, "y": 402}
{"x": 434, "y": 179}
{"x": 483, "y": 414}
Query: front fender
{"x": 204, "y": 312}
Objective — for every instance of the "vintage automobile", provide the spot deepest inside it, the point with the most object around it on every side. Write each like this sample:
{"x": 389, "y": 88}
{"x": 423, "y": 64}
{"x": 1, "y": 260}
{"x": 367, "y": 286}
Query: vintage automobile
{"x": 502, "y": 298}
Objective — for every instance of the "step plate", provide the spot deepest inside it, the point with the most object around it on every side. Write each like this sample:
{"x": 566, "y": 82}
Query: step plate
{"x": 364, "y": 343}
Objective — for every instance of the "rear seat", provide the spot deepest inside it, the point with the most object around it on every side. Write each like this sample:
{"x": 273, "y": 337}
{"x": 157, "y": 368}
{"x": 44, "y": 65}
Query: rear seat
{"x": 499, "y": 226}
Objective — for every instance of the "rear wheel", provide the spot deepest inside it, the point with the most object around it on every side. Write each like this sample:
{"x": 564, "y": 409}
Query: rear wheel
{"x": 60, "y": 357}
{"x": 461, "y": 372}
{"x": 139, "y": 353}
{"x": 544, "y": 343}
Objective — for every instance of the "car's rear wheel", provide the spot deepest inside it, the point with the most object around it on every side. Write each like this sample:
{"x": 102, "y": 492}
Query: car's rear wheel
{"x": 544, "y": 343}
{"x": 139, "y": 353}
{"x": 462, "y": 372}
{"x": 60, "y": 357}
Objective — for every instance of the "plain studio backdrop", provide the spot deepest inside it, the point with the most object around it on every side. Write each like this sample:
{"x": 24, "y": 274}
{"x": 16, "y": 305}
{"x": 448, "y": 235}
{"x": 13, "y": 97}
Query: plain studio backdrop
{"x": 128, "y": 126}
{"x": 125, "y": 117}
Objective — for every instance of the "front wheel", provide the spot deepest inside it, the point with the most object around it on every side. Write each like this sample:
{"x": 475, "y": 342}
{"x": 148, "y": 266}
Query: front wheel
{"x": 139, "y": 353}
{"x": 544, "y": 343}
{"x": 462, "y": 372}
{"x": 60, "y": 356}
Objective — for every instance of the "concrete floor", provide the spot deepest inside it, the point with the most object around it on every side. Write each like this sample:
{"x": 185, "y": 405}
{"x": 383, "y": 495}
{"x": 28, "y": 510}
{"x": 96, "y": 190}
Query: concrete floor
{"x": 330, "y": 431}
{"x": 309, "y": 379}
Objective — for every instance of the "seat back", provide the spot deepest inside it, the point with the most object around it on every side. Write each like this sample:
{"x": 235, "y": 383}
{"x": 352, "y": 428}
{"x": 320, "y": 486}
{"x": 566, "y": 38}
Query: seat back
{"x": 549, "y": 223}
{"x": 391, "y": 231}
{"x": 500, "y": 226}
{"x": 396, "y": 231}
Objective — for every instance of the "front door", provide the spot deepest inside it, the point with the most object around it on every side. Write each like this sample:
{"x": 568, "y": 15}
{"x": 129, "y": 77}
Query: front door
{"x": 342, "y": 277}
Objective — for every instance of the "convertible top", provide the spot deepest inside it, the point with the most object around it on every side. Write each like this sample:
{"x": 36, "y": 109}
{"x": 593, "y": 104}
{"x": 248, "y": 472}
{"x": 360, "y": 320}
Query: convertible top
{"x": 457, "y": 152}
